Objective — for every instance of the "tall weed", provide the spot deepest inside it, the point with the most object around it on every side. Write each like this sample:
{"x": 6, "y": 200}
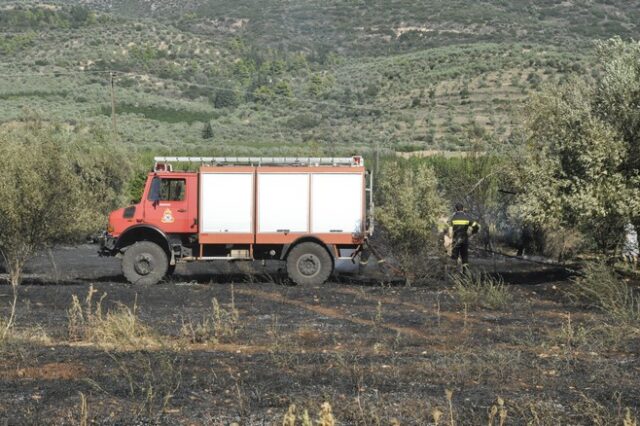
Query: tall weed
{"x": 478, "y": 290}
{"x": 601, "y": 288}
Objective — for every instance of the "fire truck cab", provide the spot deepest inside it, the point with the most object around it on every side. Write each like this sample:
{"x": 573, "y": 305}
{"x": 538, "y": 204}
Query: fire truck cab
{"x": 306, "y": 212}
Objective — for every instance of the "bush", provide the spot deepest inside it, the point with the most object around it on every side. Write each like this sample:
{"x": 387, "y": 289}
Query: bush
{"x": 601, "y": 288}
{"x": 582, "y": 159}
{"x": 227, "y": 97}
{"x": 56, "y": 184}
{"x": 409, "y": 209}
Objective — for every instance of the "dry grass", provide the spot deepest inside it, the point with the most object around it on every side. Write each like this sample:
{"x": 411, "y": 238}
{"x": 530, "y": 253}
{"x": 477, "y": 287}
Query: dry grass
{"x": 297, "y": 417}
{"x": 217, "y": 324}
{"x": 594, "y": 335}
{"x": 532, "y": 365}
{"x": 601, "y": 288}
{"x": 34, "y": 335}
{"x": 477, "y": 290}
{"x": 119, "y": 328}
{"x": 151, "y": 379}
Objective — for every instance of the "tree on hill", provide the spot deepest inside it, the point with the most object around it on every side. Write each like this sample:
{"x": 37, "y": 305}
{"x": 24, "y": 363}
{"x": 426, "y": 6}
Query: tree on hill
{"x": 207, "y": 131}
{"x": 226, "y": 97}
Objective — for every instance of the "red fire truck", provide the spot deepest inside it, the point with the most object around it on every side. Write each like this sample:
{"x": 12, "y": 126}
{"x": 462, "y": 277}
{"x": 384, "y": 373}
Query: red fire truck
{"x": 307, "y": 212}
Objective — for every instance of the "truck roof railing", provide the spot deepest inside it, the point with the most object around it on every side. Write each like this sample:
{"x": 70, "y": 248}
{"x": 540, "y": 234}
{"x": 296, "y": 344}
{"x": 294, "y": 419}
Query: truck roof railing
{"x": 355, "y": 161}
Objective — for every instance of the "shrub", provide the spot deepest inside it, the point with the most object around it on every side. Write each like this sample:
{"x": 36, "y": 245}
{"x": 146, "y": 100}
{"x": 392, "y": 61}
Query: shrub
{"x": 56, "y": 184}
{"x": 601, "y": 288}
{"x": 583, "y": 159}
{"x": 409, "y": 208}
{"x": 227, "y": 97}
{"x": 478, "y": 290}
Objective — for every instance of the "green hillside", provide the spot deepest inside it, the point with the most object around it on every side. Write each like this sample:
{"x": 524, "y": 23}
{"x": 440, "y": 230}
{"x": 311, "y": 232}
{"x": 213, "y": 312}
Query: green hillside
{"x": 296, "y": 77}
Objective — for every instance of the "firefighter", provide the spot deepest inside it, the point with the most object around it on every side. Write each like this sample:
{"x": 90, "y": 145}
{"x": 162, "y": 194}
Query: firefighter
{"x": 460, "y": 226}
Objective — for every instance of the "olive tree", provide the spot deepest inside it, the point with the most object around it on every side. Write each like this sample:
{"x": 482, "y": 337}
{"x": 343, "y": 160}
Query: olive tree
{"x": 56, "y": 183}
{"x": 409, "y": 207}
{"x": 582, "y": 152}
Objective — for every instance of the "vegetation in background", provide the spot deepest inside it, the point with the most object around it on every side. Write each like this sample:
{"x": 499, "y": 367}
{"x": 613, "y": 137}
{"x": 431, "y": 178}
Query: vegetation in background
{"x": 581, "y": 171}
{"x": 295, "y": 79}
{"x": 475, "y": 180}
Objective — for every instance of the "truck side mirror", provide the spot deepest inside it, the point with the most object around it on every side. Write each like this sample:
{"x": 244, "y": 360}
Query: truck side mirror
{"x": 154, "y": 190}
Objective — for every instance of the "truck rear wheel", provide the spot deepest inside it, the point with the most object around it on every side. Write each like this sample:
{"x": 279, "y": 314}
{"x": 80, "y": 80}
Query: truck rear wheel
{"x": 144, "y": 263}
{"x": 309, "y": 264}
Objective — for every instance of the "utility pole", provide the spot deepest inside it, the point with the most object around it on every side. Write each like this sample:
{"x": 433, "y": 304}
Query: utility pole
{"x": 113, "y": 106}
{"x": 377, "y": 169}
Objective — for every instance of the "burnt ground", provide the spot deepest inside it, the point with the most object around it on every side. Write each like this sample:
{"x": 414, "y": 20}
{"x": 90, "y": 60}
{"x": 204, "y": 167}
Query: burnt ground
{"x": 378, "y": 353}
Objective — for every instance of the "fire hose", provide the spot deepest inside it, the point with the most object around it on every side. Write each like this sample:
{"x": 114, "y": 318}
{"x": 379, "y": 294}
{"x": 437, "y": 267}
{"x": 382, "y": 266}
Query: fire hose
{"x": 383, "y": 262}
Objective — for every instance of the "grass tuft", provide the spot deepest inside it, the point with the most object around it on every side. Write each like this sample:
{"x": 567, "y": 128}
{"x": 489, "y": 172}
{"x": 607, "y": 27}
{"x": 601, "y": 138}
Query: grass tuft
{"x": 218, "y": 324}
{"x": 601, "y": 288}
{"x": 295, "y": 417}
{"x": 477, "y": 290}
{"x": 119, "y": 328}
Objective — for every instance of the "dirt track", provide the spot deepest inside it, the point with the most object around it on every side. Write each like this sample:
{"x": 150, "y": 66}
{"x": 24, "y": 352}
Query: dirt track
{"x": 376, "y": 353}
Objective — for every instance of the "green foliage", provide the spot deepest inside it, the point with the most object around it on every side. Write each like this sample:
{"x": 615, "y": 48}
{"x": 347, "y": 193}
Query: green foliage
{"x": 580, "y": 171}
{"x": 227, "y": 97}
{"x": 176, "y": 57}
{"x": 144, "y": 54}
{"x": 136, "y": 184}
{"x": 41, "y": 17}
{"x": 57, "y": 183}
{"x": 475, "y": 180}
{"x": 283, "y": 88}
{"x": 263, "y": 94}
{"x": 11, "y": 44}
{"x": 320, "y": 84}
{"x": 207, "y": 131}
{"x": 159, "y": 113}
{"x": 617, "y": 96}
{"x": 408, "y": 209}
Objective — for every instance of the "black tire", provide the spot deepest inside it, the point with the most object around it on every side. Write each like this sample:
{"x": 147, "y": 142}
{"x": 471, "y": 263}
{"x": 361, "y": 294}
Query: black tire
{"x": 145, "y": 263}
{"x": 309, "y": 264}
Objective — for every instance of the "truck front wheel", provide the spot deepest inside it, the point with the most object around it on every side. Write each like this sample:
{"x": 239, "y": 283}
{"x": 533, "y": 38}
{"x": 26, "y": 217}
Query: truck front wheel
{"x": 309, "y": 264}
{"x": 144, "y": 263}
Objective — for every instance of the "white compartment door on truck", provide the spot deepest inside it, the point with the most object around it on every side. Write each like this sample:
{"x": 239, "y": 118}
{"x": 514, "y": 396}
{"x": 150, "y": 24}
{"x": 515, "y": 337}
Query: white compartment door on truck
{"x": 283, "y": 202}
{"x": 226, "y": 203}
{"x": 337, "y": 203}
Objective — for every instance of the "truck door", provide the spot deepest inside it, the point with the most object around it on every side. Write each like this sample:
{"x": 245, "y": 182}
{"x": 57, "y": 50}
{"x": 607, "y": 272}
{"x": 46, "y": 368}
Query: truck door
{"x": 171, "y": 203}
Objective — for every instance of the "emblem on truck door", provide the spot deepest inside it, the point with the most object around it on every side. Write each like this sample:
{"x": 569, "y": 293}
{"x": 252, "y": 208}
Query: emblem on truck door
{"x": 167, "y": 217}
